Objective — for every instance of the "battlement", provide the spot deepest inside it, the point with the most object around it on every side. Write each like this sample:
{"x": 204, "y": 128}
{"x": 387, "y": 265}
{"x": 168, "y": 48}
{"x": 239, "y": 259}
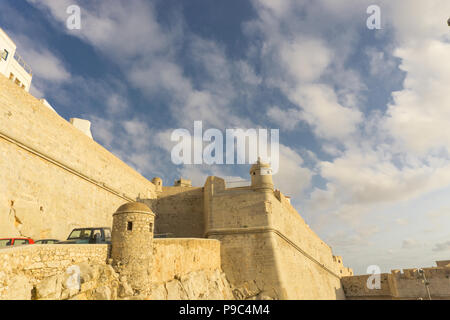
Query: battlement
{"x": 410, "y": 284}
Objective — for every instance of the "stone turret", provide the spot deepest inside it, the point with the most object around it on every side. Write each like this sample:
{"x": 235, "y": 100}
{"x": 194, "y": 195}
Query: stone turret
{"x": 132, "y": 239}
{"x": 261, "y": 174}
{"x": 158, "y": 184}
{"x": 183, "y": 183}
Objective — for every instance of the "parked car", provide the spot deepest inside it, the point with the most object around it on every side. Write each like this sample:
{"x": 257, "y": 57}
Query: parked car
{"x": 9, "y": 242}
{"x": 89, "y": 236}
{"x": 47, "y": 241}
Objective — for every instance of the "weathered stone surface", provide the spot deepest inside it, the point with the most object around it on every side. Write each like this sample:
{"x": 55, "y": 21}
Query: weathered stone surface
{"x": 49, "y": 288}
{"x": 88, "y": 272}
{"x": 158, "y": 292}
{"x": 175, "y": 291}
{"x": 194, "y": 284}
{"x": 38, "y": 198}
{"x": 125, "y": 290}
{"x": 102, "y": 293}
{"x": 19, "y": 288}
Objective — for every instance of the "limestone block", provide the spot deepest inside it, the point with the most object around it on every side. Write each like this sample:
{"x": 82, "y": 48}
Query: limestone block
{"x": 86, "y": 286}
{"x": 19, "y": 288}
{"x": 175, "y": 291}
{"x": 195, "y": 284}
{"x": 125, "y": 290}
{"x": 158, "y": 292}
{"x": 81, "y": 296}
{"x": 88, "y": 272}
{"x": 49, "y": 288}
{"x": 102, "y": 293}
{"x": 68, "y": 293}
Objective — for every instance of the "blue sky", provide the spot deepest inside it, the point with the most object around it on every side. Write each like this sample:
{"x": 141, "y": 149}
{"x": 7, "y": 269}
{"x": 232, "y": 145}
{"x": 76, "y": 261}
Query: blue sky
{"x": 363, "y": 114}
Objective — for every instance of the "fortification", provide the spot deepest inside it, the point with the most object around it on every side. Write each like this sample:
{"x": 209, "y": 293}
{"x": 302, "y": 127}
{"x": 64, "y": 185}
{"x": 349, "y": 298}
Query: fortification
{"x": 411, "y": 284}
{"x": 54, "y": 178}
{"x": 132, "y": 237}
{"x": 267, "y": 249}
{"x": 261, "y": 175}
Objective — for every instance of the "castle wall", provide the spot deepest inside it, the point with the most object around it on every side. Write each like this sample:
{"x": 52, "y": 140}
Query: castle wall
{"x": 267, "y": 248}
{"x": 182, "y": 259}
{"x": 355, "y": 288}
{"x": 179, "y": 212}
{"x": 177, "y": 257}
{"x": 409, "y": 285}
{"x": 309, "y": 270}
{"x": 37, "y": 262}
{"x": 235, "y": 217}
{"x": 53, "y": 178}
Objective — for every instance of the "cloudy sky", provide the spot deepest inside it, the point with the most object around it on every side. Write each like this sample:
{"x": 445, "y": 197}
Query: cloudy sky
{"x": 364, "y": 115}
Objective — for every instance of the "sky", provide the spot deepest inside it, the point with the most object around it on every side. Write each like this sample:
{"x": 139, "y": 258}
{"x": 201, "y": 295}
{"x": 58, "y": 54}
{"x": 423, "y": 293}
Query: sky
{"x": 363, "y": 113}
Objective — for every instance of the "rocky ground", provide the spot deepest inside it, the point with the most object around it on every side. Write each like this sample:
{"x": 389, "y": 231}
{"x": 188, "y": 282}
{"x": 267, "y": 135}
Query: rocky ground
{"x": 100, "y": 282}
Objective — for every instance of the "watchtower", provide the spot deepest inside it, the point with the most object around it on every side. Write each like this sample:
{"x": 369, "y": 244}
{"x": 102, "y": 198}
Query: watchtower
{"x": 158, "y": 184}
{"x": 261, "y": 174}
{"x": 132, "y": 239}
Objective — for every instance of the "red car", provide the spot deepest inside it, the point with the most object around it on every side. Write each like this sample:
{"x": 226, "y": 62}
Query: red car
{"x": 7, "y": 242}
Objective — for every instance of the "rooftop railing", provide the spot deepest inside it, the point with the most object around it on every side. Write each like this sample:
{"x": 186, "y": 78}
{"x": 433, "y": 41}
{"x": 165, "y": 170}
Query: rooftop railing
{"x": 23, "y": 64}
{"x": 237, "y": 183}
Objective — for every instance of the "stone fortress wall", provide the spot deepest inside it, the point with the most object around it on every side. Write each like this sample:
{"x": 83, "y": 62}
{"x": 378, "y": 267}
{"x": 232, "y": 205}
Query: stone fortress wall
{"x": 411, "y": 284}
{"x": 179, "y": 212}
{"x": 54, "y": 178}
{"x": 264, "y": 240}
{"x": 176, "y": 263}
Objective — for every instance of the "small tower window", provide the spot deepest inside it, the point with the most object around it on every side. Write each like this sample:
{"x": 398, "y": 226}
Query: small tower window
{"x": 151, "y": 227}
{"x": 5, "y": 54}
{"x": 130, "y": 226}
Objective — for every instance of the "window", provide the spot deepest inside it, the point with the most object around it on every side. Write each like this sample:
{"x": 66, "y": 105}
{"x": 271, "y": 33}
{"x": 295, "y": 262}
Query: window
{"x": 5, "y": 243}
{"x": 17, "y": 81}
{"x": 151, "y": 227}
{"x": 130, "y": 226}
{"x": 5, "y": 54}
{"x": 11, "y": 76}
{"x": 20, "y": 242}
{"x": 80, "y": 234}
{"x": 97, "y": 236}
{"x": 107, "y": 234}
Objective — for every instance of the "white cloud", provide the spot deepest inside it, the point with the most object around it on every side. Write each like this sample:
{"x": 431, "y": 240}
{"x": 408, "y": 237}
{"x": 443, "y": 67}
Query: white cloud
{"x": 402, "y": 222}
{"x": 286, "y": 119}
{"x": 48, "y": 69}
{"x": 444, "y": 246}
{"x": 419, "y": 117}
{"x": 409, "y": 244}
{"x": 322, "y": 111}
{"x": 292, "y": 177}
{"x": 305, "y": 60}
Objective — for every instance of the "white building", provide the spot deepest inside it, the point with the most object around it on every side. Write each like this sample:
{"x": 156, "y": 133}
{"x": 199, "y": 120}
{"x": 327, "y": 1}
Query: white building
{"x": 12, "y": 65}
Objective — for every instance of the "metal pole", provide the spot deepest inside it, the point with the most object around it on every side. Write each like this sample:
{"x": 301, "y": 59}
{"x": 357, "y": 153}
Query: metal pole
{"x": 426, "y": 283}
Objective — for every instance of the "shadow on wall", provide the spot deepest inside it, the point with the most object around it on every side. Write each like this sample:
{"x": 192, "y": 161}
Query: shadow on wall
{"x": 179, "y": 212}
